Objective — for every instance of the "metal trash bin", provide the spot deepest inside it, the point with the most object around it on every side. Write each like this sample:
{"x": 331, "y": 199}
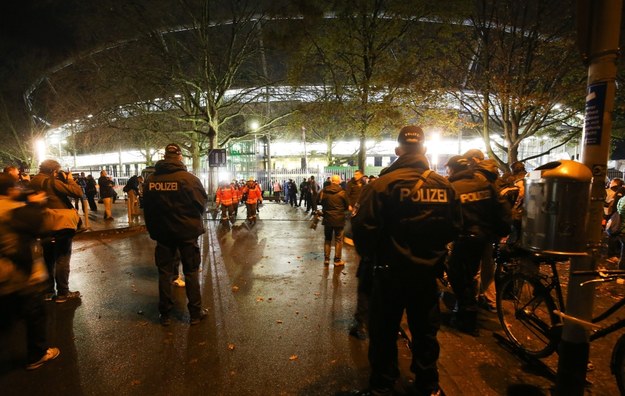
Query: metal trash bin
{"x": 557, "y": 198}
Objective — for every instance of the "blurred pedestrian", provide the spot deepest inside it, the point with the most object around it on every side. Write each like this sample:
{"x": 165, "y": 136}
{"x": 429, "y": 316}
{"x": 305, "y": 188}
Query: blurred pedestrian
{"x": 21, "y": 297}
{"x": 91, "y": 190}
{"x": 175, "y": 201}
{"x": 292, "y": 191}
{"x": 107, "y": 193}
{"x": 304, "y": 191}
{"x": 403, "y": 223}
{"x": 57, "y": 248}
{"x": 254, "y": 197}
{"x": 277, "y": 190}
{"x": 334, "y": 205}
{"x": 132, "y": 189}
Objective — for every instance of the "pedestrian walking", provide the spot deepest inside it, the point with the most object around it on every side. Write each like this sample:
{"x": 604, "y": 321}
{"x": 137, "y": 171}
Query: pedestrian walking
{"x": 334, "y": 204}
{"x": 403, "y": 223}
{"x": 175, "y": 201}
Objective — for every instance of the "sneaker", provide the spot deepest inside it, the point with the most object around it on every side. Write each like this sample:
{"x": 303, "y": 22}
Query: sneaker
{"x": 198, "y": 319}
{"x": 61, "y": 298}
{"x": 164, "y": 320}
{"x": 338, "y": 262}
{"x": 49, "y": 296}
{"x": 179, "y": 282}
{"x": 51, "y": 354}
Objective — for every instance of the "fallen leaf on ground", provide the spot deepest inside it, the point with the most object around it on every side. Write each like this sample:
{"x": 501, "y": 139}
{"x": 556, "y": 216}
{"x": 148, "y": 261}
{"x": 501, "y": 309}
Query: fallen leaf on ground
{"x": 231, "y": 347}
{"x": 293, "y": 357}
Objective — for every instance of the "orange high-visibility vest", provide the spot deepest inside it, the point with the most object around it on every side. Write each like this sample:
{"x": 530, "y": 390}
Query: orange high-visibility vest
{"x": 224, "y": 196}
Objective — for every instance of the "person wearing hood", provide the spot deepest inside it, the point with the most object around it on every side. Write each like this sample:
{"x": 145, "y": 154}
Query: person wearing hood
{"x": 334, "y": 204}
{"x": 174, "y": 203}
{"x": 402, "y": 224}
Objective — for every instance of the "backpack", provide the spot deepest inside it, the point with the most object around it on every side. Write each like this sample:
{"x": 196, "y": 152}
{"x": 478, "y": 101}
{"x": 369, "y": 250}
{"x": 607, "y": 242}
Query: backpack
{"x": 613, "y": 226}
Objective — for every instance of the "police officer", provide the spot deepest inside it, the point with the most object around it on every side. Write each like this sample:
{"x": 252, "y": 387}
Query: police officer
{"x": 403, "y": 223}
{"x": 174, "y": 202}
{"x": 486, "y": 216}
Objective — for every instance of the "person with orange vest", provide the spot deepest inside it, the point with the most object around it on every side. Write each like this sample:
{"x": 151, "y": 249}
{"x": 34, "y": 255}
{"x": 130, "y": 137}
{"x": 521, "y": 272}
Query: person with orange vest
{"x": 237, "y": 196}
{"x": 254, "y": 197}
{"x": 226, "y": 197}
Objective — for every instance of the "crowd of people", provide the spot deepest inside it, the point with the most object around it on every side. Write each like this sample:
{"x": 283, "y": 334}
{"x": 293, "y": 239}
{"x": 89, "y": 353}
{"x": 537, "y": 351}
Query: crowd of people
{"x": 410, "y": 227}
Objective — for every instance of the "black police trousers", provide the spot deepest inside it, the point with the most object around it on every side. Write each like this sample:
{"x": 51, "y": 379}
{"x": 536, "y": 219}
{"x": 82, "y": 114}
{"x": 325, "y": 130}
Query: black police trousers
{"x": 413, "y": 289}
{"x": 166, "y": 256}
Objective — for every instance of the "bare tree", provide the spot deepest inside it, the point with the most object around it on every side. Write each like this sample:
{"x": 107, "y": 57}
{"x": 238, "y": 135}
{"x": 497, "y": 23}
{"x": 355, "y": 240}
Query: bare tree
{"x": 356, "y": 50}
{"x": 523, "y": 74}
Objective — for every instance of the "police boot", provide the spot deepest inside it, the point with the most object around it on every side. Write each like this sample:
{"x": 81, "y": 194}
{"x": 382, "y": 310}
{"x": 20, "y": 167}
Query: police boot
{"x": 470, "y": 323}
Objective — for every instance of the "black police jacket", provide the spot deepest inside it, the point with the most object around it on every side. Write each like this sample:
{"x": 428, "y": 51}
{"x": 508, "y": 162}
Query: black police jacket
{"x": 174, "y": 201}
{"x": 393, "y": 226}
{"x": 485, "y": 212}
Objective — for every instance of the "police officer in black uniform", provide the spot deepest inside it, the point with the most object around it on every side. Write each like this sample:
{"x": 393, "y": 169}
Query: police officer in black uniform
{"x": 174, "y": 202}
{"x": 486, "y": 217}
{"x": 403, "y": 223}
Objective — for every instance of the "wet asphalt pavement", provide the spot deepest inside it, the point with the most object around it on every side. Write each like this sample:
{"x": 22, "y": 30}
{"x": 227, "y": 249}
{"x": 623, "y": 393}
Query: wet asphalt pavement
{"x": 277, "y": 325}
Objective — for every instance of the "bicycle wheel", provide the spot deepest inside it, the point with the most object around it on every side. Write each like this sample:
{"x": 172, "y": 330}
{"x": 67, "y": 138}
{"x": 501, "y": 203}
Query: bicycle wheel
{"x": 525, "y": 311}
{"x": 617, "y": 363}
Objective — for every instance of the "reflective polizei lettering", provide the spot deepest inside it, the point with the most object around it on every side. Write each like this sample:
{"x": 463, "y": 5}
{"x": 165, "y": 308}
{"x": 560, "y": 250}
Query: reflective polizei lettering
{"x": 426, "y": 195}
{"x": 163, "y": 186}
{"x": 475, "y": 196}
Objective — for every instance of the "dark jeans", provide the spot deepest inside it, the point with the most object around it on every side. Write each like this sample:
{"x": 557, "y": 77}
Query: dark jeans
{"x": 166, "y": 256}
{"x": 394, "y": 290}
{"x": 57, "y": 253}
{"x": 29, "y": 306}
{"x": 293, "y": 199}
{"x": 337, "y": 232}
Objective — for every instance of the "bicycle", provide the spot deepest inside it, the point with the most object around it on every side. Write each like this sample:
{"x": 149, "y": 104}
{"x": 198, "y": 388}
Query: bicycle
{"x": 526, "y": 286}
{"x": 533, "y": 320}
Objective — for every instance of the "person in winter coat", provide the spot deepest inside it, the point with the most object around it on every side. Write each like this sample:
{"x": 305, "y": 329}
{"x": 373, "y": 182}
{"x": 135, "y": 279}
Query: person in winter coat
{"x": 60, "y": 187}
{"x": 402, "y": 224}
{"x": 292, "y": 191}
{"x": 334, "y": 203}
{"x": 254, "y": 196}
{"x": 106, "y": 193}
{"x": 91, "y": 190}
{"x": 227, "y": 198}
{"x": 174, "y": 203}
{"x": 22, "y": 298}
{"x": 486, "y": 218}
